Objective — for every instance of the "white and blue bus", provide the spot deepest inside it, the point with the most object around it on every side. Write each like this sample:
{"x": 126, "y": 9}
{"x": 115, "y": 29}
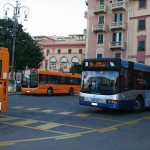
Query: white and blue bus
{"x": 115, "y": 83}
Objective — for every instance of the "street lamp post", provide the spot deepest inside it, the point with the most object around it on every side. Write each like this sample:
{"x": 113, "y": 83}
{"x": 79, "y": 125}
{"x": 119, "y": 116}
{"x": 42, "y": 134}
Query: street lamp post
{"x": 16, "y": 15}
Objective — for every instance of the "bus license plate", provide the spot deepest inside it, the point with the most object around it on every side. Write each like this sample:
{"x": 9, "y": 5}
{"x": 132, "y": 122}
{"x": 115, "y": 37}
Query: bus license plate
{"x": 94, "y": 104}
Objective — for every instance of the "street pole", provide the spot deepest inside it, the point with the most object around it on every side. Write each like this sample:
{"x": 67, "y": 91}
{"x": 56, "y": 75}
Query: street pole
{"x": 16, "y": 15}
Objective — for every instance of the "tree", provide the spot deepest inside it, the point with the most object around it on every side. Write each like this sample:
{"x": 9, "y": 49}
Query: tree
{"x": 76, "y": 68}
{"x": 28, "y": 52}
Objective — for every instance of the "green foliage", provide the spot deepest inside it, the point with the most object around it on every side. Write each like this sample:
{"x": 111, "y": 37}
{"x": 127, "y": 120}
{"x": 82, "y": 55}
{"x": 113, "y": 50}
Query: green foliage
{"x": 76, "y": 68}
{"x": 28, "y": 52}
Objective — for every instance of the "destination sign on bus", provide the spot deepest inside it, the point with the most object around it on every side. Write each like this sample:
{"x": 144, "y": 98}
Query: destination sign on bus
{"x": 100, "y": 64}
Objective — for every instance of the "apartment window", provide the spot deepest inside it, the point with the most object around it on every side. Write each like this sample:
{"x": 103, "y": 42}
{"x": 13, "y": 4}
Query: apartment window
{"x": 118, "y": 17}
{"x": 141, "y": 45}
{"x": 99, "y": 55}
{"x": 81, "y": 37}
{"x": 101, "y": 20}
{"x": 141, "y": 25}
{"x": 63, "y": 60}
{"x": 47, "y": 52}
{"x": 63, "y": 64}
{"x": 75, "y": 60}
{"x": 101, "y": 2}
{"x": 100, "y": 39}
{"x": 142, "y": 3}
{"x": 117, "y": 37}
{"x": 80, "y": 51}
{"x": 69, "y": 51}
{"x": 117, "y": 55}
{"x": 59, "y": 51}
{"x": 53, "y": 63}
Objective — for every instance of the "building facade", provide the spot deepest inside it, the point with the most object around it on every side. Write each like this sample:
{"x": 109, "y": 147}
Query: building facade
{"x": 62, "y": 52}
{"x": 139, "y": 31}
{"x": 118, "y": 28}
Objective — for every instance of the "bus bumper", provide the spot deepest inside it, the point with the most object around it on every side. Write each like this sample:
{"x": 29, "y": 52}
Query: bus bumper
{"x": 121, "y": 105}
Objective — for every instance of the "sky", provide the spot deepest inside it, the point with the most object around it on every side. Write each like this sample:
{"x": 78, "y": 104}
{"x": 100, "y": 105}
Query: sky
{"x": 50, "y": 17}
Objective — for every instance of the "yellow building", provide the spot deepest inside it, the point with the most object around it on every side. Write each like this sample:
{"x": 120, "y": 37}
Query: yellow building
{"x": 62, "y": 52}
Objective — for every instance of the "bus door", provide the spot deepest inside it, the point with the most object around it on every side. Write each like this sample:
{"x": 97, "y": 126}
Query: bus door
{"x": 4, "y": 75}
{"x": 147, "y": 98}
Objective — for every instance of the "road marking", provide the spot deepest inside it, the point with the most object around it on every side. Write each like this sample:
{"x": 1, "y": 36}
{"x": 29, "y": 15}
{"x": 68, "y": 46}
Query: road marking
{"x": 61, "y": 137}
{"x": 70, "y": 114}
{"x": 82, "y": 115}
{"x": 58, "y": 132}
{"x": 48, "y": 126}
{"x": 32, "y": 109}
{"x": 26, "y": 122}
{"x": 48, "y": 111}
{"x": 18, "y": 107}
{"x": 8, "y": 118}
{"x": 65, "y": 113}
{"x": 148, "y": 117}
{"x": 6, "y": 144}
{"x": 132, "y": 122}
{"x": 107, "y": 129}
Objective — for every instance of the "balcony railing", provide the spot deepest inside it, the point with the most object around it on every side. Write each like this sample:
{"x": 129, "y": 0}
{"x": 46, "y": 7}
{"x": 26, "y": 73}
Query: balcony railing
{"x": 99, "y": 27}
{"x": 117, "y": 45}
{"x": 118, "y": 5}
{"x": 99, "y": 9}
{"x": 118, "y": 25}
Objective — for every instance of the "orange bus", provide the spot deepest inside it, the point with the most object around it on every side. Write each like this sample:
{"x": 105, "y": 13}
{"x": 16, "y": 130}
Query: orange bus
{"x": 49, "y": 82}
{"x": 4, "y": 75}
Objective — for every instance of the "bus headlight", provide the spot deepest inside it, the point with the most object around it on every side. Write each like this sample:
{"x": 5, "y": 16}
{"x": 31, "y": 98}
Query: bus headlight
{"x": 109, "y": 101}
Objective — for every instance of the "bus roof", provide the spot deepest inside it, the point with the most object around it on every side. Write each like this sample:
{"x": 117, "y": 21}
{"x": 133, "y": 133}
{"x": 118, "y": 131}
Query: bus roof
{"x": 53, "y": 72}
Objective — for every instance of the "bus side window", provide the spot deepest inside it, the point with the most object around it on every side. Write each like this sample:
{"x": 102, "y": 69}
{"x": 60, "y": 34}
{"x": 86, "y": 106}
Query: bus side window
{"x": 49, "y": 79}
{"x": 63, "y": 80}
{"x": 43, "y": 79}
{"x": 124, "y": 81}
{"x": 0, "y": 68}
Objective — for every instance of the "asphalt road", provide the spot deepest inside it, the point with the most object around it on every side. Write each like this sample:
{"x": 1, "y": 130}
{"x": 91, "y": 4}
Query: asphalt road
{"x": 60, "y": 123}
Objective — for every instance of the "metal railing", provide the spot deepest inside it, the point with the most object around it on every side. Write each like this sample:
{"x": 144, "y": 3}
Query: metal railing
{"x": 99, "y": 27}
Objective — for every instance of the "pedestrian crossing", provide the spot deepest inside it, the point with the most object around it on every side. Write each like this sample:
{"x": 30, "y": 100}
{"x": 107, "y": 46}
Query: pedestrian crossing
{"x": 53, "y": 127}
{"x": 50, "y": 111}
{"x": 66, "y": 113}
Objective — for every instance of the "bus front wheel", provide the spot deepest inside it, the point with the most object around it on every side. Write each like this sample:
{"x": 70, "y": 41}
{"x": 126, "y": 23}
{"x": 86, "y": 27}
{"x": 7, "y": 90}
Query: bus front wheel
{"x": 138, "y": 104}
{"x": 71, "y": 91}
{"x": 50, "y": 91}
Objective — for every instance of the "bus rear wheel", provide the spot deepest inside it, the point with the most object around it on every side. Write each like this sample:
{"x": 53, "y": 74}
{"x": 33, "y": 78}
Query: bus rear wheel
{"x": 50, "y": 91}
{"x": 138, "y": 104}
{"x": 71, "y": 91}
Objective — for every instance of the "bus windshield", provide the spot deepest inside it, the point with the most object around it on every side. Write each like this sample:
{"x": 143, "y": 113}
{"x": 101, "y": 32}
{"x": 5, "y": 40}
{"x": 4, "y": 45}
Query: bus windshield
{"x": 100, "y": 82}
{"x": 30, "y": 79}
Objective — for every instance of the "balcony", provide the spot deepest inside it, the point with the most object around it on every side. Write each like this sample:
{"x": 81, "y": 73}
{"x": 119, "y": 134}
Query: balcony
{"x": 117, "y": 45}
{"x": 100, "y": 9}
{"x": 118, "y": 25}
{"x": 99, "y": 28}
{"x": 118, "y": 6}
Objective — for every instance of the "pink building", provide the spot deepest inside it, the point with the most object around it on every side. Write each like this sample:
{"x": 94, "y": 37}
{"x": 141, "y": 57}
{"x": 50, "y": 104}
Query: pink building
{"x": 139, "y": 31}
{"x": 117, "y": 28}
